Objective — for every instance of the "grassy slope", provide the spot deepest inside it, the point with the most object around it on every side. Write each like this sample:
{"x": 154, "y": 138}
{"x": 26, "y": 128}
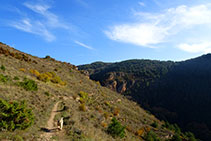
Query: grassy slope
{"x": 90, "y": 124}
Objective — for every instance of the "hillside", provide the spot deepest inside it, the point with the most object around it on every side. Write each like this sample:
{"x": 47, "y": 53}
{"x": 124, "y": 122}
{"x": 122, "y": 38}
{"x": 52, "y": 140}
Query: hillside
{"x": 178, "y": 92}
{"x": 52, "y": 89}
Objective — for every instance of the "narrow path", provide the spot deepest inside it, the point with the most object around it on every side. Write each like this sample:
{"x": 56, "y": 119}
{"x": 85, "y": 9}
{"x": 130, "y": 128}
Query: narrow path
{"x": 50, "y": 123}
{"x": 50, "y": 129}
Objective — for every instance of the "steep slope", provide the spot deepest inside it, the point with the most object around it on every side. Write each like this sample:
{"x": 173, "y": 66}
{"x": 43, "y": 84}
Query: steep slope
{"x": 86, "y": 106}
{"x": 174, "y": 91}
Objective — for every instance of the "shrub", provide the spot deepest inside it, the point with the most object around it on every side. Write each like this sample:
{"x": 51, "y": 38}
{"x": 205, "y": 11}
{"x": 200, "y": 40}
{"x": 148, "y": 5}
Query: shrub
{"x": 49, "y": 76}
{"x": 154, "y": 124}
{"x": 3, "y": 78}
{"x": 47, "y": 93}
{"x": 116, "y": 129}
{"x": 140, "y": 132}
{"x": 176, "y": 137}
{"x": 29, "y": 85}
{"x": 16, "y": 78}
{"x": 177, "y": 129}
{"x": 35, "y": 72}
{"x": 107, "y": 103}
{"x": 173, "y": 127}
{"x": 82, "y": 107}
{"x": 98, "y": 83}
{"x": 151, "y": 136}
{"x": 147, "y": 129}
{"x": 190, "y": 136}
{"x": 22, "y": 69}
{"x": 81, "y": 100}
{"x": 83, "y": 94}
{"x": 17, "y": 138}
{"x": 2, "y": 68}
{"x": 56, "y": 79}
{"x": 15, "y": 115}
{"x": 168, "y": 126}
{"x": 43, "y": 77}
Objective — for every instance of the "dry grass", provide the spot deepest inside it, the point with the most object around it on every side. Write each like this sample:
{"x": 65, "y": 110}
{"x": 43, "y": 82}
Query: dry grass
{"x": 89, "y": 123}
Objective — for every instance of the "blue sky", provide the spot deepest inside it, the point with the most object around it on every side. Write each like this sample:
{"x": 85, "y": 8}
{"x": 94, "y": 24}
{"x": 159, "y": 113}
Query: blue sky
{"x": 85, "y": 31}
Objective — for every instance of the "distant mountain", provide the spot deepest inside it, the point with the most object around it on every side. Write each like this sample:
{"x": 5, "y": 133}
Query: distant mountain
{"x": 175, "y": 91}
{"x": 36, "y": 92}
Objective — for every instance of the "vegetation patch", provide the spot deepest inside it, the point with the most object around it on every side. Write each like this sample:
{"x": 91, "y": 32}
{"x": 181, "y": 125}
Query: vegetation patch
{"x": 154, "y": 124}
{"x": 14, "y": 115}
{"x": 48, "y": 77}
{"x": 116, "y": 129}
{"x": 178, "y": 134}
{"x": 2, "y": 68}
{"x": 140, "y": 132}
{"x": 4, "y": 78}
{"x": 29, "y": 85}
{"x": 82, "y": 107}
{"x": 16, "y": 78}
{"x": 151, "y": 136}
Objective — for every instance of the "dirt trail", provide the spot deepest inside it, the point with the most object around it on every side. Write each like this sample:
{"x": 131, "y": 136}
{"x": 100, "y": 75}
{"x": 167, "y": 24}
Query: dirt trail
{"x": 50, "y": 129}
{"x": 50, "y": 123}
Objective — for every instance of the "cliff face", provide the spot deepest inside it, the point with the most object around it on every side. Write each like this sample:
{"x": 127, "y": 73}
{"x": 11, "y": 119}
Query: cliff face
{"x": 111, "y": 81}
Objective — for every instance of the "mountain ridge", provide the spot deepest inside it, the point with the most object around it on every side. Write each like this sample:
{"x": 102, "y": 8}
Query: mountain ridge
{"x": 173, "y": 91}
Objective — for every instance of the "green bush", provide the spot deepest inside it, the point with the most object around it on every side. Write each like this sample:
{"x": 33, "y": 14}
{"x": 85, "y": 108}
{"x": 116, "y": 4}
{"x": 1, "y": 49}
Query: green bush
{"x": 14, "y": 115}
{"x": 47, "y": 93}
{"x": 29, "y": 85}
{"x": 151, "y": 136}
{"x": 154, "y": 124}
{"x": 17, "y": 138}
{"x": 2, "y": 68}
{"x": 16, "y": 78}
{"x": 116, "y": 129}
{"x": 173, "y": 127}
{"x": 190, "y": 136}
{"x": 4, "y": 78}
{"x": 176, "y": 137}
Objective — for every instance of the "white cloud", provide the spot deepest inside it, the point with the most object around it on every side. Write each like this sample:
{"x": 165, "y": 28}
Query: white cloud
{"x": 203, "y": 47}
{"x": 154, "y": 28}
{"x": 34, "y": 28}
{"x": 39, "y": 26}
{"x": 43, "y": 9}
{"x": 140, "y": 34}
{"x": 141, "y": 4}
{"x": 83, "y": 45}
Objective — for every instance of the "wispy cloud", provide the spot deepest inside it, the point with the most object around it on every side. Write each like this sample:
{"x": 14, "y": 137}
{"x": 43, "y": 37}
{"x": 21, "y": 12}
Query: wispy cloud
{"x": 156, "y": 28}
{"x": 34, "y": 27}
{"x": 43, "y": 9}
{"x": 141, "y": 4}
{"x": 83, "y": 45}
{"x": 39, "y": 26}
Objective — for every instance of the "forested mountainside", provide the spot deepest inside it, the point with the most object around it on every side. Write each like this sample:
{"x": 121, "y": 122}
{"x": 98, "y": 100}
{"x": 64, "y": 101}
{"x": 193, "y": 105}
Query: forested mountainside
{"x": 36, "y": 92}
{"x": 174, "y": 91}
